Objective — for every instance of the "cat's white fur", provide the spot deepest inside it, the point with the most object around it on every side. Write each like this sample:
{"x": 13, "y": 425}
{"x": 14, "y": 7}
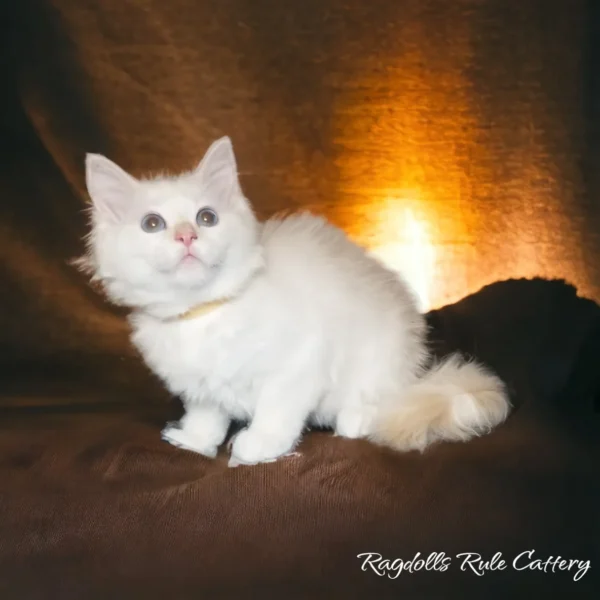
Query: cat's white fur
{"x": 312, "y": 329}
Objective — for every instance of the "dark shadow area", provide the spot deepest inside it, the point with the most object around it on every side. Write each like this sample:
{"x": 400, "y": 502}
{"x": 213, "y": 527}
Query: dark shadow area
{"x": 533, "y": 333}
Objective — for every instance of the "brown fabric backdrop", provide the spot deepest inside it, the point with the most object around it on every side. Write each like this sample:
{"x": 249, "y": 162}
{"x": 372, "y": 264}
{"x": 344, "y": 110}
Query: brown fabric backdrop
{"x": 479, "y": 108}
{"x": 477, "y": 105}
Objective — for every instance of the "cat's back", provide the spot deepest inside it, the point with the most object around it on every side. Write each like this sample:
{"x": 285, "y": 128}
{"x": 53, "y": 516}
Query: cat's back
{"x": 298, "y": 238}
{"x": 307, "y": 239}
{"x": 306, "y": 251}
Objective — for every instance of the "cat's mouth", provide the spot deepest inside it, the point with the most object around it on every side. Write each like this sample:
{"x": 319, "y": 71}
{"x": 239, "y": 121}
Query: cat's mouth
{"x": 190, "y": 259}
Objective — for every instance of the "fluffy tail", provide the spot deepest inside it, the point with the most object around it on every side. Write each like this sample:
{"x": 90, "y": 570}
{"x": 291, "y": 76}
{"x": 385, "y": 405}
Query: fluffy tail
{"x": 455, "y": 401}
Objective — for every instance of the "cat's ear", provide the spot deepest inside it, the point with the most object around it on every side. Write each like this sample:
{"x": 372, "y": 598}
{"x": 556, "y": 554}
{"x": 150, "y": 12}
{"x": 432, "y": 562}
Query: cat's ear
{"x": 110, "y": 187}
{"x": 217, "y": 171}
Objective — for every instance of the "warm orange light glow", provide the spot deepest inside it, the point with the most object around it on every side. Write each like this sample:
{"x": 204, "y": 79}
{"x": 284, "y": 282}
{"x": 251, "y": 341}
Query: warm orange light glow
{"x": 407, "y": 248}
{"x": 449, "y": 194}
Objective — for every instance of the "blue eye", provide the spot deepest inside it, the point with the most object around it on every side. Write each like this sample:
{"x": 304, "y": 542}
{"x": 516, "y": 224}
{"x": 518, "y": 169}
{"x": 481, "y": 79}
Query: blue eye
{"x": 207, "y": 217}
{"x": 152, "y": 223}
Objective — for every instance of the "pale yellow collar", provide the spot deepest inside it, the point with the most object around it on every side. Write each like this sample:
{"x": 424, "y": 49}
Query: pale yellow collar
{"x": 201, "y": 310}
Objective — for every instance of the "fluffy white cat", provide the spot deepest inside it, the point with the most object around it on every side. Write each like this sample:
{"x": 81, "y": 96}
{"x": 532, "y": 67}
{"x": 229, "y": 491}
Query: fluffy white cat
{"x": 281, "y": 324}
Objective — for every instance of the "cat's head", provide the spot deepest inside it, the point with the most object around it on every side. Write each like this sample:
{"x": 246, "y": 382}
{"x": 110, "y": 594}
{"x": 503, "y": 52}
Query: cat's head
{"x": 167, "y": 243}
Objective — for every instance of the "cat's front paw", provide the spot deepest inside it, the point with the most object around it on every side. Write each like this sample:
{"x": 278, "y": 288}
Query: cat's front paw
{"x": 251, "y": 447}
{"x": 176, "y": 436}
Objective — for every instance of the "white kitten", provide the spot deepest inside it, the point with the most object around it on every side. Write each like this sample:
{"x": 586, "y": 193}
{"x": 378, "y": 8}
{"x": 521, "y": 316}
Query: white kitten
{"x": 280, "y": 324}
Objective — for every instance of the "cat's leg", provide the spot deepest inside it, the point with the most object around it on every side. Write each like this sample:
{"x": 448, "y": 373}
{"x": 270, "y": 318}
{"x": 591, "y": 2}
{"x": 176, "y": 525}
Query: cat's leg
{"x": 202, "y": 429}
{"x": 354, "y": 407}
{"x": 355, "y": 421}
{"x": 282, "y": 409}
{"x": 355, "y": 416}
{"x": 362, "y": 395}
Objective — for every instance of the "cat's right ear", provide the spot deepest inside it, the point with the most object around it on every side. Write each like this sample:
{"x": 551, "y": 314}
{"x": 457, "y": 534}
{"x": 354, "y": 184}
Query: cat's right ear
{"x": 109, "y": 186}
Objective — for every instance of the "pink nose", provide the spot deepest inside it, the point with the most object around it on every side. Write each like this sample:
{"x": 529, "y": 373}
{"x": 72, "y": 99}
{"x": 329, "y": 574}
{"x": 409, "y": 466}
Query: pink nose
{"x": 186, "y": 235}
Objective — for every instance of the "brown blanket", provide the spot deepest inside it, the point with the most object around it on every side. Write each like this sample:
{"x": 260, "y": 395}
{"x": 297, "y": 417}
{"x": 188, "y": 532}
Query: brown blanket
{"x": 92, "y": 503}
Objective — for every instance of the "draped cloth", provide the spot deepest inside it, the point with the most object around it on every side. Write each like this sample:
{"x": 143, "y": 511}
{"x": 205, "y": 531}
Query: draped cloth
{"x": 478, "y": 109}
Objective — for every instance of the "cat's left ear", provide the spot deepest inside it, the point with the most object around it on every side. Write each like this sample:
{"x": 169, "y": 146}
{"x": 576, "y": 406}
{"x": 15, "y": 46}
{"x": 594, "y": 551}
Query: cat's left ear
{"x": 217, "y": 171}
{"x": 110, "y": 187}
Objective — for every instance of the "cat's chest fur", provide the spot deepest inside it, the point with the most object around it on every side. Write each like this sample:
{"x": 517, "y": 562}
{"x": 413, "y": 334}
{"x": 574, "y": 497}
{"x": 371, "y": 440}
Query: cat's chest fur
{"x": 218, "y": 357}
